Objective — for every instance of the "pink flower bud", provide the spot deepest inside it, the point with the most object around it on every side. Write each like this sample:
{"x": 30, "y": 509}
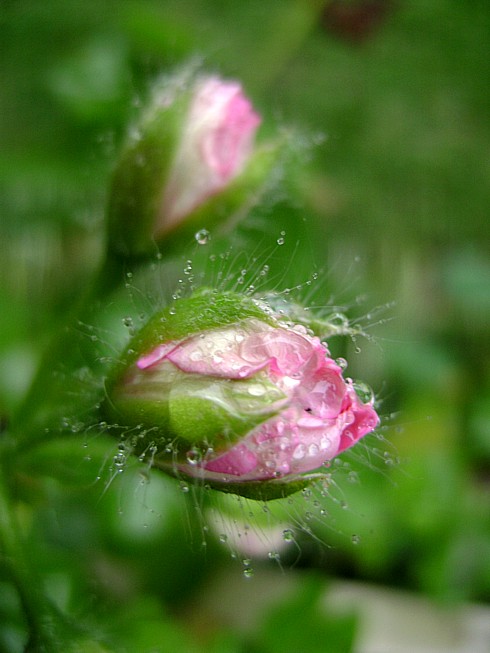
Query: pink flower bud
{"x": 192, "y": 144}
{"x": 320, "y": 413}
{"x": 236, "y": 397}
{"x": 216, "y": 144}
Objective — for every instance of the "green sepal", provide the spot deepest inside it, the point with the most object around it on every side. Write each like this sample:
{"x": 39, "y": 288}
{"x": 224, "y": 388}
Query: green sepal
{"x": 140, "y": 175}
{"x": 210, "y": 412}
{"x": 205, "y": 310}
{"x": 259, "y": 490}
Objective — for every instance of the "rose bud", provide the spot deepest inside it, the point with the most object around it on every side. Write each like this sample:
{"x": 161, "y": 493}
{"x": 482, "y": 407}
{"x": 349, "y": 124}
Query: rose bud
{"x": 188, "y": 164}
{"x": 221, "y": 391}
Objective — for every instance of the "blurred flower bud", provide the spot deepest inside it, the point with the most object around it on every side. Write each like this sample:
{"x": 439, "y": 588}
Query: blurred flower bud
{"x": 194, "y": 141}
{"x": 220, "y": 390}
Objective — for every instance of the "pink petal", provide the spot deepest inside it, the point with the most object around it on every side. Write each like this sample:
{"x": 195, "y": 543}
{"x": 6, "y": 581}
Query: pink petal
{"x": 239, "y": 461}
{"x": 155, "y": 356}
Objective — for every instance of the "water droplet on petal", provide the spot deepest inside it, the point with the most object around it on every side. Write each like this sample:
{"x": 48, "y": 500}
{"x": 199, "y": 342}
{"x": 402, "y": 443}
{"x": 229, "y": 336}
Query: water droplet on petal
{"x": 299, "y": 452}
{"x": 313, "y": 450}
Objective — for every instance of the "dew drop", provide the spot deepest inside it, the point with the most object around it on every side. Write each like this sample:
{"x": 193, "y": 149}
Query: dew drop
{"x": 355, "y": 539}
{"x": 287, "y": 535}
{"x": 202, "y": 237}
{"x": 342, "y": 363}
{"x": 194, "y": 457}
{"x": 299, "y": 452}
{"x": 364, "y": 392}
{"x": 120, "y": 459}
{"x": 248, "y": 572}
{"x": 280, "y": 241}
{"x": 352, "y": 477}
{"x": 223, "y": 538}
{"x": 387, "y": 458}
{"x": 313, "y": 450}
{"x": 338, "y": 321}
{"x": 256, "y": 390}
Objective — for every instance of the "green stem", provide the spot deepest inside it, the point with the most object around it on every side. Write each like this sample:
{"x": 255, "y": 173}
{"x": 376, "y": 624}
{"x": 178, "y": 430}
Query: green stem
{"x": 43, "y": 400}
{"x": 40, "y": 616}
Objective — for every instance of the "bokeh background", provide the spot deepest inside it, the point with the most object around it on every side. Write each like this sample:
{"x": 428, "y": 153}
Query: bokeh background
{"x": 391, "y": 100}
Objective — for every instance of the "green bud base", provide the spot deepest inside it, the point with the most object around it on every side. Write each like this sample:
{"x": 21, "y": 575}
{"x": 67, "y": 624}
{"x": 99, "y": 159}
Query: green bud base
{"x": 258, "y": 490}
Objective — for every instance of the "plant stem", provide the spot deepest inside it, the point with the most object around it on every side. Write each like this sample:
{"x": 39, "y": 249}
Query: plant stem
{"x": 43, "y": 401}
{"x": 40, "y": 616}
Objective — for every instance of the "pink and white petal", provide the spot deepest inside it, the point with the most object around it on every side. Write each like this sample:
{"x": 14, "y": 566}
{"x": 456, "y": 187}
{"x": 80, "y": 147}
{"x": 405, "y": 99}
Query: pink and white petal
{"x": 156, "y": 355}
{"x": 238, "y": 461}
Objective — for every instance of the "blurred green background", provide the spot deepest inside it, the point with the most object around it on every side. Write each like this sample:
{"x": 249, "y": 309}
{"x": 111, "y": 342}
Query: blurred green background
{"x": 393, "y": 104}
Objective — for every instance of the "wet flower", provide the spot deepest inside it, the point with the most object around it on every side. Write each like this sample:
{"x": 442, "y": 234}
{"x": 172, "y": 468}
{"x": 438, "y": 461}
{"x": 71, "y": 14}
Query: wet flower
{"x": 215, "y": 145}
{"x": 194, "y": 140}
{"x": 230, "y": 395}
